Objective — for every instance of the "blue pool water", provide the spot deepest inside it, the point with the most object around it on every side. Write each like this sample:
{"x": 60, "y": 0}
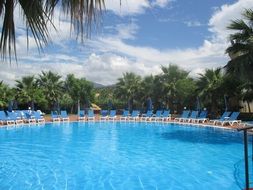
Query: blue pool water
{"x": 125, "y": 156}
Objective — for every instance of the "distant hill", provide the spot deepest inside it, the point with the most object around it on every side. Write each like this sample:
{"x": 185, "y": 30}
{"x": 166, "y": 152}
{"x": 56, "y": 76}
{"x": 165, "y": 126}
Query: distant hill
{"x": 97, "y": 85}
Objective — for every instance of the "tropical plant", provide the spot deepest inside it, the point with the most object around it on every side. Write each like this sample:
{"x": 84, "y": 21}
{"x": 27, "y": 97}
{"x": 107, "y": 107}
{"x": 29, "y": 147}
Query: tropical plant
{"x": 52, "y": 88}
{"x": 28, "y": 92}
{"x": 210, "y": 89}
{"x": 241, "y": 49}
{"x": 38, "y": 14}
{"x": 128, "y": 88}
{"x": 80, "y": 90}
{"x": 6, "y": 95}
{"x": 172, "y": 78}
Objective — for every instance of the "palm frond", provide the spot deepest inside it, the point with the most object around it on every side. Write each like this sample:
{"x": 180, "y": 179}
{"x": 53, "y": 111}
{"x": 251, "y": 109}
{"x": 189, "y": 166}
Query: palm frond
{"x": 7, "y": 41}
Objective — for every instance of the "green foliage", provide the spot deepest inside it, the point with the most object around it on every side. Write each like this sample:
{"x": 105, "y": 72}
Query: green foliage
{"x": 79, "y": 90}
{"x": 7, "y": 95}
{"x": 241, "y": 49}
{"x": 51, "y": 86}
{"x": 128, "y": 88}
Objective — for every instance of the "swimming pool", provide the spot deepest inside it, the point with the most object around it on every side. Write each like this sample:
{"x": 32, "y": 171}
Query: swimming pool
{"x": 119, "y": 156}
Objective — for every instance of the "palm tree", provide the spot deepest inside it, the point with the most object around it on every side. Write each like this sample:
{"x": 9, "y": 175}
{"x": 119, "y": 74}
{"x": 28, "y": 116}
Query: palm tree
{"x": 6, "y": 94}
{"x": 52, "y": 88}
{"x": 80, "y": 90}
{"x": 128, "y": 88}
{"x": 241, "y": 49}
{"x": 28, "y": 92}
{"x": 38, "y": 14}
{"x": 170, "y": 80}
{"x": 209, "y": 88}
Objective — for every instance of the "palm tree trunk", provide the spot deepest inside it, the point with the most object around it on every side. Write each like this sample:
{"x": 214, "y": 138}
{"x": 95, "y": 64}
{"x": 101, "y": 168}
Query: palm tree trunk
{"x": 78, "y": 106}
{"x": 249, "y": 106}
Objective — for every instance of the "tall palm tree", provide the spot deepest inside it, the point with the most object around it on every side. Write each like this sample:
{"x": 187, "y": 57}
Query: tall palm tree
{"x": 80, "y": 90}
{"x": 37, "y": 14}
{"x": 6, "y": 94}
{"x": 52, "y": 87}
{"x": 28, "y": 92}
{"x": 170, "y": 79}
{"x": 128, "y": 88}
{"x": 241, "y": 49}
{"x": 209, "y": 88}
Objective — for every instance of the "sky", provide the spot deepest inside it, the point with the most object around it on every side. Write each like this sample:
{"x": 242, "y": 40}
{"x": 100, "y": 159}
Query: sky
{"x": 136, "y": 36}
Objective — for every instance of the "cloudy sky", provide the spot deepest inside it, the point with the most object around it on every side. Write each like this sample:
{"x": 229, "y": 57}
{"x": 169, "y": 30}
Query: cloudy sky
{"x": 136, "y": 36}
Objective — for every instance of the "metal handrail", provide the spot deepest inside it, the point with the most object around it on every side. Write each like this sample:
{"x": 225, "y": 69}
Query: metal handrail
{"x": 245, "y": 135}
{"x": 245, "y": 128}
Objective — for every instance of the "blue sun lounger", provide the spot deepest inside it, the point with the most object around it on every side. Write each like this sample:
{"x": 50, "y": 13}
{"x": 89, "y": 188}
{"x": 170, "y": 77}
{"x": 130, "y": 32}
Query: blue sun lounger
{"x": 230, "y": 120}
{"x": 55, "y": 116}
{"x": 165, "y": 116}
{"x": 91, "y": 116}
{"x": 134, "y": 116}
{"x": 183, "y": 116}
{"x": 202, "y": 118}
{"x": 224, "y": 117}
{"x": 193, "y": 115}
{"x": 81, "y": 115}
{"x": 14, "y": 117}
{"x": 158, "y": 114}
{"x": 124, "y": 116}
{"x": 39, "y": 118}
{"x": 104, "y": 115}
{"x": 147, "y": 116}
{"x": 112, "y": 116}
{"x": 64, "y": 115}
{"x": 5, "y": 120}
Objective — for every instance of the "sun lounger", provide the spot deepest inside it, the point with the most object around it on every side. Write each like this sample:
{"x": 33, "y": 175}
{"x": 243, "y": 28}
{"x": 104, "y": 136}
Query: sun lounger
{"x": 112, "y": 115}
{"x": 147, "y": 116}
{"x": 202, "y": 118}
{"x": 193, "y": 115}
{"x": 165, "y": 116}
{"x": 104, "y": 115}
{"x": 91, "y": 116}
{"x": 158, "y": 114}
{"x": 134, "y": 116}
{"x": 38, "y": 117}
{"x": 231, "y": 120}
{"x": 183, "y": 116}
{"x": 64, "y": 116}
{"x": 5, "y": 119}
{"x": 13, "y": 117}
{"x": 28, "y": 116}
{"x": 124, "y": 116}
{"x": 81, "y": 115}
{"x": 224, "y": 117}
{"x": 55, "y": 116}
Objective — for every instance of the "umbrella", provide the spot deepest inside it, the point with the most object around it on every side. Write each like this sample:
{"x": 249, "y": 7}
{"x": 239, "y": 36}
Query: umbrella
{"x": 149, "y": 104}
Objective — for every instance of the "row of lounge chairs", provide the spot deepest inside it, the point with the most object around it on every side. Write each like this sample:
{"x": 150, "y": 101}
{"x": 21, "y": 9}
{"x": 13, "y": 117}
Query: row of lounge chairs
{"x": 187, "y": 116}
{"x": 27, "y": 116}
{"x": 63, "y": 116}
{"x": 160, "y": 115}
{"x": 227, "y": 118}
{"x": 20, "y": 117}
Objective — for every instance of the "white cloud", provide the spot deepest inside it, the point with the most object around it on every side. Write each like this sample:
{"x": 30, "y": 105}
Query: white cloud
{"x": 193, "y": 23}
{"x": 161, "y": 3}
{"x": 134, "y": 7}
{"x": 127, "y": 31}
{"x": 127, "y": 7}
{"x": 223, "y": 16}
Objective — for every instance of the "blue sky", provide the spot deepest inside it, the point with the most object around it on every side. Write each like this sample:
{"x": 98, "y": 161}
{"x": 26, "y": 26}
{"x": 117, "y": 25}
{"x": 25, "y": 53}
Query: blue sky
{"x": 138, "y": 36}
